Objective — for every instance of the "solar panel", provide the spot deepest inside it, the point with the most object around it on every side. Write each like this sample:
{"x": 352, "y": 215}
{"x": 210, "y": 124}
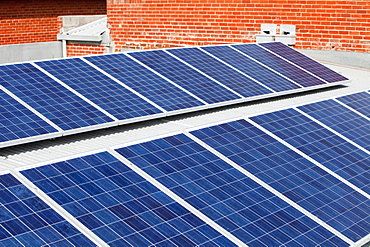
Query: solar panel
{"x": 321, "y": 144}
{"x": 48, "y": 97}
{"x": 280, "y": 65}
{"x": 252, "y": 68}
{"x": 186, "y": 77}
{"x": 326, "y": 197}
{"x": 163, "y": 93}
{"x": 100, "y": 89}
{"x": 18, "y": 122}
{"x": 360, "y": 102}
{"x": 82, "y": 94}
{"x": 236, "y": 202}
{"x": 120, "y": 206}
{"x": 26, "y": 220}
{"x": 305, "y": 62}
{"x": 341, "y": 119}
{"x": 221, "y": 72}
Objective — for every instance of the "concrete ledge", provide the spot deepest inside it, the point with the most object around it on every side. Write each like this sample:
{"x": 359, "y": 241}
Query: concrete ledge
{"x": 353, "y": 59}
{"x": 30, "y": 51}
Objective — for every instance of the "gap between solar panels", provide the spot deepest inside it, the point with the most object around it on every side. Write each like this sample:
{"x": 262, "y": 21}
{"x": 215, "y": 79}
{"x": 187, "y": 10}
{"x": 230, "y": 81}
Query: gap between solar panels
{"x": 49, "y": 99}
{"x": 295, "y": 176}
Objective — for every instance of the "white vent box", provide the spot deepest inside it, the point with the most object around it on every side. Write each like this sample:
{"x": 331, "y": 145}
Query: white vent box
{"x": 268, "y": 33}
{"x": 287, "y": 35}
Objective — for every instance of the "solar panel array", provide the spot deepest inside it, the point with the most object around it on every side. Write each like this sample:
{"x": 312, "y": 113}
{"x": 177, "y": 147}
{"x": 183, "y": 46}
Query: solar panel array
{"x": 26, "y": 220}
{"x": 68, "y": 96}
{"x": 293, "y": 177}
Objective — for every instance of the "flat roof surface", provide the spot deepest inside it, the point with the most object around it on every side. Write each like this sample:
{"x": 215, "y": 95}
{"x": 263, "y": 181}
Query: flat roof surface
{"x": 49, "y": 150}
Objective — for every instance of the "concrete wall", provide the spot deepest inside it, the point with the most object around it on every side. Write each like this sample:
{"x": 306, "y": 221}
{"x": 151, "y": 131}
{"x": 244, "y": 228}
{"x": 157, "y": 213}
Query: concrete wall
{"x": 352, "y": 59}
{"x": 27, "y": 52}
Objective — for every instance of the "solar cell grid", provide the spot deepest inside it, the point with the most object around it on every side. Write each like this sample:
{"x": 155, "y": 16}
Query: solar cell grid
{"x": 292, "y": 175}
{"x": 25, "y": 220}
{"x": 251, "y": 68}
{"x": 320, "y": 144}
{"x": 280, "y": 65}
{"x": 303, "y": 61}
{"x": 146, "y": 82}
{"x": 16, "y": 121}
{"x": 48, "y": 97}
{"x": 120, "y": 206}
{"x": 358, "y": 101}
{"x": 341, "y": 119}
{"x": 221, "y": 72}
{"x": 247, "y": 210}
{"x": 99, "y": 88}
{"x": 185, "y": 76}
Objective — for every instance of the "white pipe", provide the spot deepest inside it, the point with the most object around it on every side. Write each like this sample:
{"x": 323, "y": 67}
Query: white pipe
{"x": 64, "y": 48}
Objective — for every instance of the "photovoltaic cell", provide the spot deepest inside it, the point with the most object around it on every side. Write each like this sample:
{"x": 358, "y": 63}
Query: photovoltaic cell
{"x": 238, "y": 204}
{"x": 305, "y": 62}
{"x": 119, "y": 206}
{"x": 221, "y": 72}
{"x": 358, "y": 101}
{"x": 26, "y": 220}
{"x": 321, "y": 144}
{"x": 99, "y": 88}
{"x": 251, "y": 68}
{"x": 341, "y": 119}
{"x": 48, "y": 97}
{"x": 280, "y": 65}
{"x": 185, "y": 76}
{"x": 326, "y": 197}
{"x": 17, "y": 122}
{"x": 145, "y": 82}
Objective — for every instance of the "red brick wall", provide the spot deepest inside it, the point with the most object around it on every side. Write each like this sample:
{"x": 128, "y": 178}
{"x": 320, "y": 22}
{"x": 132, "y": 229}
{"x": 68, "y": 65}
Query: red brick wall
{"x": 82, "y": 50}
{"x": 325, "y": 25}
{"x": 29, "y": 21}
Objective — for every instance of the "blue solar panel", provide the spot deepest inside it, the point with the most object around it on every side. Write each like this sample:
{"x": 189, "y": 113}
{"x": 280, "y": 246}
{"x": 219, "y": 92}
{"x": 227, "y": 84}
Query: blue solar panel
{"x": 341, "y": 119}
{"x": 221, "y": 72}
{"x": 146, "y": 82}
{"x": 99, "y": 88}
{"x": 320, "y": 144}
{"x": 358, "y": 101}
{"x": 305, "y": 62}
{"x": 119, "y": 206}
{"x": 251, "y": 68}
{"x": 17, "y": 122}
{"x": 25, "y": 220}
{"x": 280, "y": 65}
{"x": 297, "y": 178}
{"x": 246, "y": 209}
{"x": 48, "y": 97}
{"x": 185, "y": 76}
